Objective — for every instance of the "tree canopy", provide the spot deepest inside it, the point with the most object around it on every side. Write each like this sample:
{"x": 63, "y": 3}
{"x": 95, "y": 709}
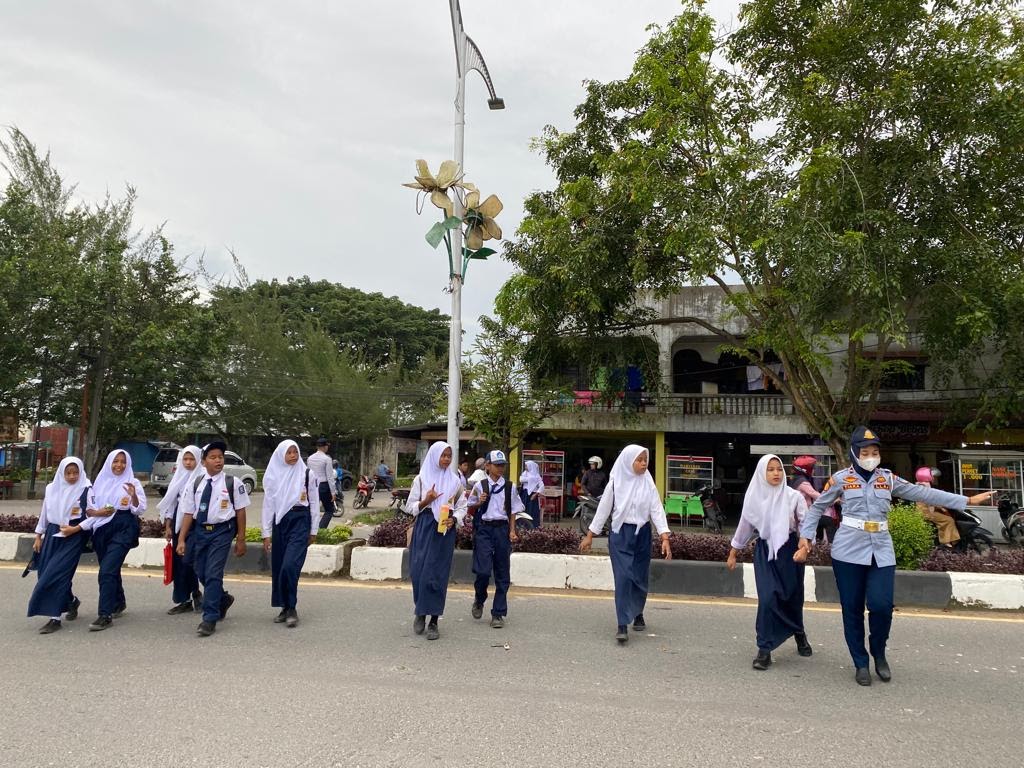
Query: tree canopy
{"x": 846, "y": 173}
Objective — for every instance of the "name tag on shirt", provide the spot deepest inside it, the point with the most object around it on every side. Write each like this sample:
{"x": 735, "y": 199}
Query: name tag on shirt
{"x": 851, "y": 486}
{"x": 302, "y": 497}
{"x": 124, "y": 501}
{"x": 223, "y": 503}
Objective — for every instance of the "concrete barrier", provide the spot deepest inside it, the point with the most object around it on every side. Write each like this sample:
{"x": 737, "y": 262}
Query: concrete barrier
{"x": 987, "y": 590}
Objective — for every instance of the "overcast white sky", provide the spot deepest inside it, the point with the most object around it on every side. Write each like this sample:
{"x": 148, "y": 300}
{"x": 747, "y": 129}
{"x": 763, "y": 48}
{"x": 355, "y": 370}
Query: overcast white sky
{"x": 283, "y": 130}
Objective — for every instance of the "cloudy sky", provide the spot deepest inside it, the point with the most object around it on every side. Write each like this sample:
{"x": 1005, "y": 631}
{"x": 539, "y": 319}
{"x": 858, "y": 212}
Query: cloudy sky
{"x": 283, "y": 130}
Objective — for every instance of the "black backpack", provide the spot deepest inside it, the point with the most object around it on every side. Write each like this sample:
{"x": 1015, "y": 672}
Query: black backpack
{"x": 230, "y": 486}
{"x": 486, "y": 485}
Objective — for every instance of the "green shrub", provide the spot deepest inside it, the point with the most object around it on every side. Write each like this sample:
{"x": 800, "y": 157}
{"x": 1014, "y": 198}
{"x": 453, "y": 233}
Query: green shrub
{"x": 335, "y": 535}
{"x": 912, "y": 536}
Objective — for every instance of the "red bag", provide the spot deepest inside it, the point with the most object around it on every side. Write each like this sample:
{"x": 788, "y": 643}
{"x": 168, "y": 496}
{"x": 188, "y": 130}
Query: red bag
{"x": 168, "y": 565}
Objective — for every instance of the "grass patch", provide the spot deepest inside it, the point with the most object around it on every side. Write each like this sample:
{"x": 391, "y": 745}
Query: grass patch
{"x": 373, "y": 518}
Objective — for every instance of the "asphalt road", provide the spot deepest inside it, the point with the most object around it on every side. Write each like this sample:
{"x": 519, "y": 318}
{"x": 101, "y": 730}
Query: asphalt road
{"x": 353, "y": 686}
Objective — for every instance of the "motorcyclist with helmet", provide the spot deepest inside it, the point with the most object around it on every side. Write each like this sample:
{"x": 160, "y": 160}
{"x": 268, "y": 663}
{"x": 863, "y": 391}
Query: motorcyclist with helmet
{"x": 594, "y": 479}
{"x": 946, "y": 525}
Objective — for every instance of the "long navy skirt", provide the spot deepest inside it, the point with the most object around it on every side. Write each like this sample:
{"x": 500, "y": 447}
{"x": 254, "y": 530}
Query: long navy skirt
{"x": 780, "y": 594}
{"x": 58, "y": 561}
{"x": 630, "y": 553}
{"x": 289, "y": 543}
{"x": 430, "y": 564}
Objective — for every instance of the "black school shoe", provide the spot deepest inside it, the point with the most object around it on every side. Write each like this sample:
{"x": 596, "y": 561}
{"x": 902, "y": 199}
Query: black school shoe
{"x": 478, "y": 610}
{"x": 620, "y": 633}
{"x": 802, "y": 646}
{"x": 226, "y": 602}
{"x": 762, "y": 661}
{"x": 282, "y": 617}
{"x": 432, "y": 631}
{"x": 639, "y": 625}
{"x": 206, "y": 629}
{"x": 419, "y": 624}
{"x": 120, "y": 611}
{"x": 49, "y": 627}
{"x": 101, "y": 623}
{"x": 293, "y": 618}
{"x": 72, "y": 612}
{"x": 180, "y": 608}
{"x": 882, "y": 670}
{"x": 197, "y": 601}
{"x": 862, "y": 676}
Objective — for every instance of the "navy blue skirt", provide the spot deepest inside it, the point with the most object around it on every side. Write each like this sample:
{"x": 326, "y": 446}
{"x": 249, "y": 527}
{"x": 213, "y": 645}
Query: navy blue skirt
{"x": 430, "y": 565}
{"x": 780, "y": 594}
{"x": 58, "y": 561}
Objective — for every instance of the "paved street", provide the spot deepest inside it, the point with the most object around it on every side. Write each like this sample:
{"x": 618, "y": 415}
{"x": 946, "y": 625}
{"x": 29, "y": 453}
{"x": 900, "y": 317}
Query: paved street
{"x": 352, "y": 686}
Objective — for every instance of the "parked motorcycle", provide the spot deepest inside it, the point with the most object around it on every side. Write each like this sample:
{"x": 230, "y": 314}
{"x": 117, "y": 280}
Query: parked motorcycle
{"x": 713, "y": 517}
{"x": 586, "y": 510}
{"x": 1012, "y": 516}
{"x": 364, "y": 492}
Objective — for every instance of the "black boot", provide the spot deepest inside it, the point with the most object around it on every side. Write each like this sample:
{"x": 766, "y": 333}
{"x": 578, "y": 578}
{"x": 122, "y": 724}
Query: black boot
{"x": 882, "y": 670}
{"x": 802, "y": 646}
{"x": 862, "y": 676}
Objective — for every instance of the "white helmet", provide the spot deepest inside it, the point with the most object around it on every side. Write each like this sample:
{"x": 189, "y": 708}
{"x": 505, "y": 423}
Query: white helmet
{"x": 595, "y": 460}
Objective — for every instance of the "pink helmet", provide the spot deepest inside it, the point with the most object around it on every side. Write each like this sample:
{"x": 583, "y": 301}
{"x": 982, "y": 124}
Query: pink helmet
{"x": 805, "y": 464}
{"x": 924, "y": 475}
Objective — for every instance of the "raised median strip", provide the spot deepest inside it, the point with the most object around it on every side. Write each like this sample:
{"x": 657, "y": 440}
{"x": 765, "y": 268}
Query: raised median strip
{"x": 591, "y": 572}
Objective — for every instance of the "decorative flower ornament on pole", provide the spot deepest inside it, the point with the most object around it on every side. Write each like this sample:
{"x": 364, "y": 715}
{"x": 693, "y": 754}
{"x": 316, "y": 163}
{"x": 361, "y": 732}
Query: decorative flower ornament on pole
{"x": 478, "y": 224}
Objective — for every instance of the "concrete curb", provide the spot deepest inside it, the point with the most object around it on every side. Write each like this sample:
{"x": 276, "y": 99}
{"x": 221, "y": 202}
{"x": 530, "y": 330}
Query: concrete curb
{"x": 321, "y": 559}
{"x": 685, "y": 577}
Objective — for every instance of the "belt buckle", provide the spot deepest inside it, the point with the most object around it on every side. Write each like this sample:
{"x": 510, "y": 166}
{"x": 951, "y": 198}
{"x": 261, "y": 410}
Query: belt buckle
{"x": 871, "y": 526}
{"x": 208, "y": 527}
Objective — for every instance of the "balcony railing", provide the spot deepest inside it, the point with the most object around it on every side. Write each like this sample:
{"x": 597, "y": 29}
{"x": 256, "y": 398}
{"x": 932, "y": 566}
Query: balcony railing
{"x": 688, "y": 405}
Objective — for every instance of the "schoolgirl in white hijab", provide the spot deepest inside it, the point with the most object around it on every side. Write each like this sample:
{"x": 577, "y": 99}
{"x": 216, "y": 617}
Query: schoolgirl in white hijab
{"x": 531, "y": 486}
{"x": 64, "y": 506}
{"x": 289, "y": 525}
{"x": 186, "y": 593}
{"x": 120, "y": 501}
{"x": 431, "y": 550}
{"x": 632, "y": 501}
{"x": 773, "y": 512}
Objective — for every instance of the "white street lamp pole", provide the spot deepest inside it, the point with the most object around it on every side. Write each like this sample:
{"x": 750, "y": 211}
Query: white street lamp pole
{"x": 467, "y": 58}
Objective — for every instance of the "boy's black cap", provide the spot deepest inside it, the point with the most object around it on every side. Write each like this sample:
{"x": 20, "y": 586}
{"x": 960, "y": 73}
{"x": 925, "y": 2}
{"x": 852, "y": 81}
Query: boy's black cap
{"x": 322, "y": 441}
{"x": 219, "y": 445}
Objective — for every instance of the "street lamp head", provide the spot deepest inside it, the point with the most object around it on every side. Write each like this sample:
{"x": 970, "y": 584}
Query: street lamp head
{"x": 496, "y": 103}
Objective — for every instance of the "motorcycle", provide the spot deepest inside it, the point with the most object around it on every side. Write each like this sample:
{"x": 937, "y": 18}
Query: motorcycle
{"x": 713, "y": 517}
{"x": 973, "y": 537}
{"x": 586, "y": 510}
{"x": 364, "y": 492}
{"x": 1012, "y": 517}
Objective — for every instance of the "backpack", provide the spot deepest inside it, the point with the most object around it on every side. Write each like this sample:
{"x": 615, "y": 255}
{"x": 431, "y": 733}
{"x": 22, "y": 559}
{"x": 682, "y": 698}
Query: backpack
{"x": 486, "y": 485}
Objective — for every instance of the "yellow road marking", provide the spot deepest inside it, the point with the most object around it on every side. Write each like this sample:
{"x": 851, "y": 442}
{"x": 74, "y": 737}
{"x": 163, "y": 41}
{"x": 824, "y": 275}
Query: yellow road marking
{"x": 572, "y": 595}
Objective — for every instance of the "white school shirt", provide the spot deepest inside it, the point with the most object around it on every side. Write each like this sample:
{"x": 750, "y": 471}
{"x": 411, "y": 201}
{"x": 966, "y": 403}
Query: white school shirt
{"x": 220, "y": 510}
{"x": 276, "y": 516}
{"x": 185, "y": 490}
{"x": 412, "y": 505}
{"x": 123, "y": 503}
{"x": 495, "y": 509}
{"x": 64, "y": 516}
{"x": 321, "y": 467}
{"x": 636, "y": 514}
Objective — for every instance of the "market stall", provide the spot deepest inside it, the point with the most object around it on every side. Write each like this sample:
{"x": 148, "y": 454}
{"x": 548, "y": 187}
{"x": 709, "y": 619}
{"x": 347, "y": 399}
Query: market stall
{"x": 978, "y": 471}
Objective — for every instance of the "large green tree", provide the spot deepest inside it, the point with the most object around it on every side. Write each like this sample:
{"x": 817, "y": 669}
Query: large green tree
{"x": 846, "y": 172}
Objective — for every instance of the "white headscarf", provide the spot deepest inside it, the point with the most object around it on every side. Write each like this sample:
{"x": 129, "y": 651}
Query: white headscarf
{"x": 61, "y": 495}
{"x": 531, "y": 479}
{"x": 445, "y": 481}
{"x": 181, "y": 479}
{"x": 626, "y": 488}
{"x": 770, "y": 508}
{"x": 283, "y": 483}
{"x": 109, "y": 488}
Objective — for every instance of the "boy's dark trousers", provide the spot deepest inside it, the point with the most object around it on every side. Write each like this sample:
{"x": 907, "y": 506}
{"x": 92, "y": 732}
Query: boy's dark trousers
{"x": 328, "y": 501}
{"x": 211, "y": 547}
{"x": 492, "y": 551}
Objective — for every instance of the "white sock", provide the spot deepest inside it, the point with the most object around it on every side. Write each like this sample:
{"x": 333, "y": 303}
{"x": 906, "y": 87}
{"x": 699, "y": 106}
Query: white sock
{"x": 55, "y": 618}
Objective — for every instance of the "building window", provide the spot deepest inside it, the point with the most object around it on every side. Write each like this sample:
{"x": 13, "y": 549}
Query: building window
{"x": 908, "y": 376}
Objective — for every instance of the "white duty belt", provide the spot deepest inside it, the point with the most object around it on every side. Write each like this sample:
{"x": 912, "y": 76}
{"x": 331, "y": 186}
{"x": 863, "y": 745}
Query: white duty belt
{"x": 871, "y": 526}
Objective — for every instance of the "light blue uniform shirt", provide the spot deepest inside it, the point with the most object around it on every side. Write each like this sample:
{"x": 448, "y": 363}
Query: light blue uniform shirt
{"x": 870, "y": 500}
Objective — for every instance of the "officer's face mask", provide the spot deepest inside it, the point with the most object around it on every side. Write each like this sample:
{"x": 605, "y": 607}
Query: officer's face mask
{"x": 869, "y": 464}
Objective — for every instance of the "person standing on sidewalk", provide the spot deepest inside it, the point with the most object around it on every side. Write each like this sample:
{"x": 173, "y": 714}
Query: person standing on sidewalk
{"x": 494, "y": 523}
{"x": 430, "y": 555}
{"x": 120, "y": 501}
{"x": 322, "y": 467}
{"x": 186, "y": 595}
{"x": 772, "y": 511}
{"x": 863, "y": 558}
{"x": 289, "y": 526}
{"x": 59, "y": 542}
{"x": 216, "y": 508}
{"x": 632, "y": 500}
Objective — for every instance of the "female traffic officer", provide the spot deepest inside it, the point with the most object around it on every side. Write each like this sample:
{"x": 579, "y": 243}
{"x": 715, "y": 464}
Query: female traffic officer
{"x": 863, "y": 559}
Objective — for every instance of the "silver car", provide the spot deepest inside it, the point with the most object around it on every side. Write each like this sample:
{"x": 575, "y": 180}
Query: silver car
{"x": 166, "y": 460}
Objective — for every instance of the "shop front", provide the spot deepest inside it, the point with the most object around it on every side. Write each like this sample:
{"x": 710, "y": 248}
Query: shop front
{"x": 977, "y": 471}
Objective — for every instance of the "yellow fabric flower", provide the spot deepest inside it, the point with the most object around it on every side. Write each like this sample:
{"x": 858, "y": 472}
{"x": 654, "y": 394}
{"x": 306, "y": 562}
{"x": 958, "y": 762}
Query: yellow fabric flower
{"x": 480, "y": 218}
{"x": 448, "y": 176}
